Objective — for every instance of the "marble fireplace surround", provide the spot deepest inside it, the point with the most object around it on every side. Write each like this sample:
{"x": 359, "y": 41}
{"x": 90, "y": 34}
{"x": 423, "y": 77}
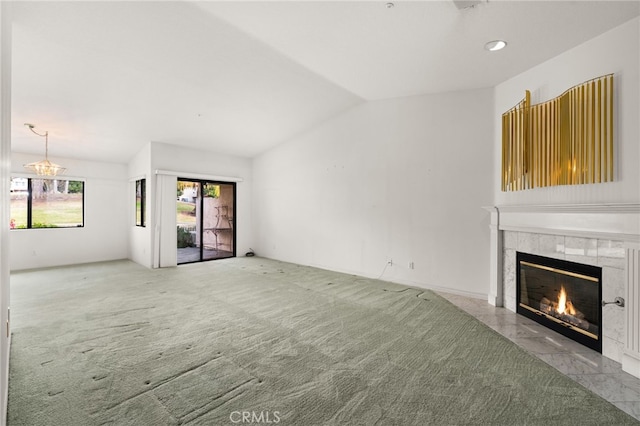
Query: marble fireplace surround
{"x": 605, "y": 235}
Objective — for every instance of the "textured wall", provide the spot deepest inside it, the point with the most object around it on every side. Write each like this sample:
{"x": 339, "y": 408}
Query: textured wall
{"x": 400, "y": 179}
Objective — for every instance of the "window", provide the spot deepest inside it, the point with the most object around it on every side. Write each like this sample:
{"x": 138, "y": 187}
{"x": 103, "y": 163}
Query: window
{"x": 140, "y": 202}
{"x": 46, "y": 203}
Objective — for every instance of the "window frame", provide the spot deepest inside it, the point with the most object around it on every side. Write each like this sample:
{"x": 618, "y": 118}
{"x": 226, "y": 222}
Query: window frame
{"x": 143, "y": 201}
{"x": 30, "y": 179}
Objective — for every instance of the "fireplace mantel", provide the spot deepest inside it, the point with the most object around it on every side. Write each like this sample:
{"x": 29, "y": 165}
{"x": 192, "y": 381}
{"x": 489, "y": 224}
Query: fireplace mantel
{"x": 619, "y": 223}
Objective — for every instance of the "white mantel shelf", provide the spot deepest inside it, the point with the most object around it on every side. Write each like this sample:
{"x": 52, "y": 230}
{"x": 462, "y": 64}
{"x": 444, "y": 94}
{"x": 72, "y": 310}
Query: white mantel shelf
{"x": 573, "y": 208}
{"x": 611, "y": 221}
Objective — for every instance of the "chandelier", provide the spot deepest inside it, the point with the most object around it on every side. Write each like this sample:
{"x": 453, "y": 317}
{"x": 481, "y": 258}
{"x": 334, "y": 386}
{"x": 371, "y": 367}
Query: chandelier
{"x": 44, "y": 167}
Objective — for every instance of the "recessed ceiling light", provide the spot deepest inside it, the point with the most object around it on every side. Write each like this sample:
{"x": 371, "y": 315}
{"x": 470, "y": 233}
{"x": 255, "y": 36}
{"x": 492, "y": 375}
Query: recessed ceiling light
{"x": 495, "y": 45}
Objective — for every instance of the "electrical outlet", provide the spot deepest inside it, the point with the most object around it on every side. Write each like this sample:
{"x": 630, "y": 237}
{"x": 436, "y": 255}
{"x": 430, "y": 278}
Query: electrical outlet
{"x": 390, "y": 262}
{"x": 411, "y": 265}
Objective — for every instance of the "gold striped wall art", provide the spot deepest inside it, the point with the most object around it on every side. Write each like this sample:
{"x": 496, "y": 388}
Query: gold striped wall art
{"x": 567, "y": 140}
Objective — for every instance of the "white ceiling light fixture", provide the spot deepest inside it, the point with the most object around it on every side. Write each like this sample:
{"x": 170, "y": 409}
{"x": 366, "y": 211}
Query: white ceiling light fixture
{"x": 495, "y": 45}
{"x": 44, "y": 167}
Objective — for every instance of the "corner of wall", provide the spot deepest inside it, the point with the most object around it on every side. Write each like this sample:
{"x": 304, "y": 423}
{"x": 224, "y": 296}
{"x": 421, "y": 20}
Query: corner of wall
{"x": 140, "y": 238}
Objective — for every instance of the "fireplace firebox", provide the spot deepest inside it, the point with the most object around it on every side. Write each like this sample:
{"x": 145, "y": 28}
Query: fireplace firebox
{"x": 561, "y": 295}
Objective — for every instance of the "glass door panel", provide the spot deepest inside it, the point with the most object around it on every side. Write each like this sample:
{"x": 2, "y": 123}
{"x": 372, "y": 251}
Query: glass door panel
{"x": 205, "y": 218}
{"x": 188, "y": 221}
{"x": 218, "y": 208}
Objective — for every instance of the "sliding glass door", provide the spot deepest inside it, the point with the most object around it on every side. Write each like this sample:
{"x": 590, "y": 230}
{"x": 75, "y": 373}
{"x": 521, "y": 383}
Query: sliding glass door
{"x": 218, "y": 232}
{"x": 206, "y": 220}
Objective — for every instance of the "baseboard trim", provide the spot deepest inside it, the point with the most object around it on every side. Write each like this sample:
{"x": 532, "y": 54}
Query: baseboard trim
{"x": 631, "y": 363}
{"x": 408, "y": 283}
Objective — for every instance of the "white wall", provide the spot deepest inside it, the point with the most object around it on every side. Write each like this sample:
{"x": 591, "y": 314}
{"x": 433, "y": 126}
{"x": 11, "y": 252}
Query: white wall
{"x": 403, "y": 179}
{"x": 104, "y": 235}
{"x": 140, "y": 248}
{"x": 5, "y": 169}
{"x": 191, "y": 161}
{"x": 613, "y": 52}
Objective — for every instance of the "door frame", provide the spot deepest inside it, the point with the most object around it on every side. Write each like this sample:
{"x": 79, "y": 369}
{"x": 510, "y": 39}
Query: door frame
{"x": 200, "y": 226}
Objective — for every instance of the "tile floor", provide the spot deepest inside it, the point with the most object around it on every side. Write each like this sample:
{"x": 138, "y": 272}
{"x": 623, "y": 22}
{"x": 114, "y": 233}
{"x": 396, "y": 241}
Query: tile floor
{"x": 601, "y": 375}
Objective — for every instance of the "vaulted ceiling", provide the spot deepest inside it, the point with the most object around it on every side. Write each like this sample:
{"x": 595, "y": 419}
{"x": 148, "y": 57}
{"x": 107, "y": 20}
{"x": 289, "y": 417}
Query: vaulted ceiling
{"x": 105, "y": 78}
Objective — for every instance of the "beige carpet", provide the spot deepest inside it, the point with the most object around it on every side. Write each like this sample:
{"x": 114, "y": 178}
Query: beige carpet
{"x": 222, "y": 342}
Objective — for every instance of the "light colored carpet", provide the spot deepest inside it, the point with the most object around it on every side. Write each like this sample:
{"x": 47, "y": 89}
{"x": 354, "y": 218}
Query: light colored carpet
{"x": 115, "y": 343}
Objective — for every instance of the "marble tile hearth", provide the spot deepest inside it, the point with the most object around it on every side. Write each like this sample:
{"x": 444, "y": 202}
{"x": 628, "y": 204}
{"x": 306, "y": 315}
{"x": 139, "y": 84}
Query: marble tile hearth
{"x": 600, "y": 374}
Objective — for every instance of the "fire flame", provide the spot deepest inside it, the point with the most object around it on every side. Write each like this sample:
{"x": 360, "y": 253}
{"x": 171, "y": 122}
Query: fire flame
{"x": 564, "y": 305}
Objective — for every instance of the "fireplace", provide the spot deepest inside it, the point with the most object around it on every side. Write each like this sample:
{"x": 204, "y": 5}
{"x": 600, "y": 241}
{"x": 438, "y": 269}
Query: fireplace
{"x": 563, "y": 296}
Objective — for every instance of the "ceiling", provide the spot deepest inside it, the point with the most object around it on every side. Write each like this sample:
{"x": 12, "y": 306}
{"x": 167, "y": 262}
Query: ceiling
{"x": 235, "y": 77}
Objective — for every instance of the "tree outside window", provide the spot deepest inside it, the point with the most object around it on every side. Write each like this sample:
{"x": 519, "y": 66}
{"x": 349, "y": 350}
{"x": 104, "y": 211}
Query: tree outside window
{"x": 46, "y": 203}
